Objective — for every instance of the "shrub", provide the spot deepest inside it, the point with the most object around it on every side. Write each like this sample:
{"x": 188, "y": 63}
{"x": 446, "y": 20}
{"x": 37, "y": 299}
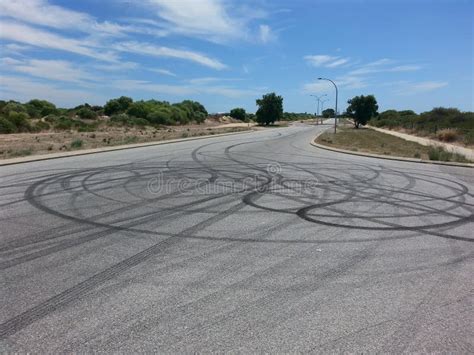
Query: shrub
{"x": 63, "y": 123}
{"x": 6, "y": 126}
{"x": 40, "y": 108}
{"x": 161, "y": 116}
{"x": 448, "y": 135}
{"x": 77, "y": 143}
{"x": 13, "y": 106}
{"x": 137, "y": 121}
{"x": 41, "y": 126}
{"x": 120, "y": 118}
{"x": 87, "y": 113}
{"x": 20, "y": 121}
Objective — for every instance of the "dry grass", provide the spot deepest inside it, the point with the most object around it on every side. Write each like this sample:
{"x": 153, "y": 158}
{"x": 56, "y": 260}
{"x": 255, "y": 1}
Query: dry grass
{"x": 22, "y": 144}
{"x": 369, "y": 141}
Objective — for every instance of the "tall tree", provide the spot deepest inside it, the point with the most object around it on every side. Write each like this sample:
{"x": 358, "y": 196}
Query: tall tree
{"x": 238, "y": 113}
{"x": 270, "y": 109}
{"x": 327, "y": 113}
{"x": 362, "y": 108}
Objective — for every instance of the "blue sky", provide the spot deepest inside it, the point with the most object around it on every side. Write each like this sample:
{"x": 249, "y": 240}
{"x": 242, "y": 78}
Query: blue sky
{"x": 225, "y": 53}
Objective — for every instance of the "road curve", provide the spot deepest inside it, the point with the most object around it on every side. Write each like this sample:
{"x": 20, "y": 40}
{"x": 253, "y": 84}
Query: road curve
{"x": 255, "y": 242}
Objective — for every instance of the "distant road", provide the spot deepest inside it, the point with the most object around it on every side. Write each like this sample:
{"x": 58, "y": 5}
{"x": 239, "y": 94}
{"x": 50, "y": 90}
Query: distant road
{"x": 255, "y": 242}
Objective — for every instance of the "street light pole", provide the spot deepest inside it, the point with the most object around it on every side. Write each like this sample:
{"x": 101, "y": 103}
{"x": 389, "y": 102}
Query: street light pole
{"x": 335, "y": 112}
{"x": 318, "y": 98}
{"x": 322, "y": 105}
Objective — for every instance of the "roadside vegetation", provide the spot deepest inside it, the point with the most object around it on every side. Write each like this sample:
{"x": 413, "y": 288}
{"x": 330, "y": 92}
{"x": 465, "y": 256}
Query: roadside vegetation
{"x": 366, "y": 140}
{"x": 39, "y": 127}
{"x": 39, "y": 115}
{"x": 443, "y": 124}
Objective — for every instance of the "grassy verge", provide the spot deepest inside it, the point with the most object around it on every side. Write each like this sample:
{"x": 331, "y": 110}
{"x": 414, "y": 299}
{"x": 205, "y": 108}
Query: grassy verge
{"x": 369, "y": 141}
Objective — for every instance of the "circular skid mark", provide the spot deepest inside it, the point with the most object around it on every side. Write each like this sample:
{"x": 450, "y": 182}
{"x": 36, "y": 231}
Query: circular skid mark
{"x": 355, "y": 197}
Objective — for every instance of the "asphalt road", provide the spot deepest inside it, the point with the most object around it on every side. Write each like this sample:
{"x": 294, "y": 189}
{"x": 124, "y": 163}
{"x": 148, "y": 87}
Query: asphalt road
{"x": 256, "y": 242}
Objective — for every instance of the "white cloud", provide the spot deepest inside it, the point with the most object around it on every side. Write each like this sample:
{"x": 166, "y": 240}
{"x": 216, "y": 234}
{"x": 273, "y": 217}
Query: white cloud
{"x": 266, "y": 34}
{"x": 23, "y": 89}
{"x": 342, "y": 82}
{"x": 323, "y": 60}
{"x": 382, "y": 61}
{"x": 182, "y": 90}
{"x": 58, "y": 70}
{"x": 420, "y": 87}
{"x": 39, "y": 38}
{"x": 39, "y": 12}
{"x": 156, "y": 51}
{"x": 163, "y": 72}
{"x": 204, "y": 18}
{"x": 212, "y": 20}
{"x": 118, "y": 66}
{"x": 212, "y": 79}
{"x": 403, "y": 68}
{"x": 16, "y": 49}
{"x": 337, "y": 63}
{"x": 378, "y": 67}
{"x": 42, "y": 13}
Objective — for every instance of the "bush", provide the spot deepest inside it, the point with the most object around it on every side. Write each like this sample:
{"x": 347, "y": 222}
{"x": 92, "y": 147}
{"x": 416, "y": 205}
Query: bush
{"x": 125, "y": 119}
{"x": 63, "y": 123}
{"x": 448, "y": 135}
{"x": 6, "y": 126}
{"x": 120, "y": 118}
{"x": 160, "y": 117}
{"x": 41, "y": 126}
{"x": 39, "y": 108}
{"x": 20, "y": 121}
{"x": 87, "y": 113}
{"x": 77, "y": 143}
{"x": 13, "y": 106}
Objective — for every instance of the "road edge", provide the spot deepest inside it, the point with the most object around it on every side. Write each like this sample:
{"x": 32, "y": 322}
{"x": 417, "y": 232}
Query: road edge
{"x": 378, "y": 156}
{"x": 31, "y": 159}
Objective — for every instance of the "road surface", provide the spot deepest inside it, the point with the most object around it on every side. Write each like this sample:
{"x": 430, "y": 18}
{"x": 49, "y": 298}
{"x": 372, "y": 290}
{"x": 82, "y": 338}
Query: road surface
{"x": 244, "y": 243}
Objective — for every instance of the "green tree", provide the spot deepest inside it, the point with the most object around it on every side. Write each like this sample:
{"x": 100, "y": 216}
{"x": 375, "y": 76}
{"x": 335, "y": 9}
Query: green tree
{"x": 327, "y": 113}
{"x": 270, "y": 109}
{"x": 112, "y": 107}
{"x": 124, "y": 102}
{"x": 362, "y": 109}
{"x": 40, "y": 108}
{"x": 238, "y": 113}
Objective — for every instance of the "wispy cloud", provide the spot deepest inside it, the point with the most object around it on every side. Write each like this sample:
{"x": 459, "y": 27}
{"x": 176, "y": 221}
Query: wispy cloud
{"x": 324, "y": 60}
{"x": 42, "y": 13}
{"x": 343, "y": 82}
{"x": 58, "y": 70}
{"x": 410, "y": 88}
{"x": 266, "y": 34}
{"x": 183, "y": 90}
{"x": 24, "y": 89}
{"x": 44, "y": 39}
{"x": 212, "y": 79}
{"x": 162, "y": 71}
{"x": 381, "y": 66}
{"x": 157, "y": 51}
